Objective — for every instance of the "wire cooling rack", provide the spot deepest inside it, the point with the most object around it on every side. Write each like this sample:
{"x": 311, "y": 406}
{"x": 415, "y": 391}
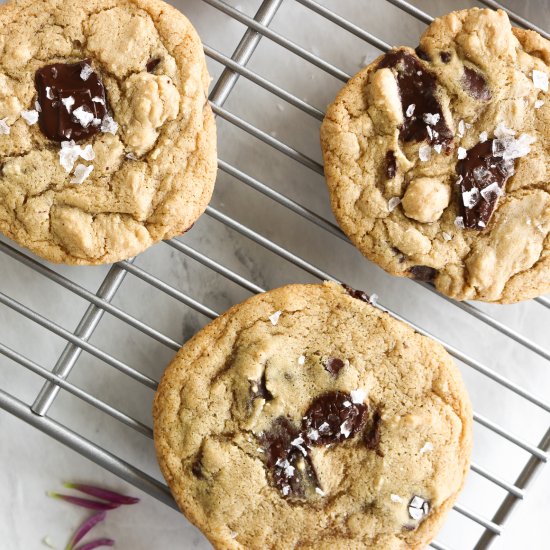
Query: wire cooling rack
{"x": 194, "y": 268}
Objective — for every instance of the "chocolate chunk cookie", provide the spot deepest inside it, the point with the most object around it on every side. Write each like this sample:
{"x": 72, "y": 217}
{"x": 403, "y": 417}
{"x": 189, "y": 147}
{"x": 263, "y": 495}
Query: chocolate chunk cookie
{"x": 107, "y": 141}
{"x": 437, "y": 159}
{"x": 306, "y": 418}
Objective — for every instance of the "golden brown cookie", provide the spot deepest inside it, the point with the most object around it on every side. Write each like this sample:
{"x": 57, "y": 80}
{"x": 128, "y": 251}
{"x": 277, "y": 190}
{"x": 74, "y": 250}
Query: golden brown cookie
{"x": 107, "y": 141}
{"x": 437, "y": 159}
{"x": 306, "y": 418}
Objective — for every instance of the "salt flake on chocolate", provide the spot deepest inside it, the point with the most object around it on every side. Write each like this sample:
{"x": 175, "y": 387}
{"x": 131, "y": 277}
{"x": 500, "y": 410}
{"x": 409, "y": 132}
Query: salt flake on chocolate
{"x": 30, "y": 117}
{"x": 86, "y": 72}
{"x": 431, "y": 119}
{"x": 461, "y": 153}
{"x": 392, "y": 203}
{"x": 491, "y": 192}
{"x": 540, "y": 80}
{"x": 410, "y": 110}
{"x": 81, "y": 172}
{"x": 68, "y": 102}
{"x": 83, "y": 116}
{"x": 470, "y": 198}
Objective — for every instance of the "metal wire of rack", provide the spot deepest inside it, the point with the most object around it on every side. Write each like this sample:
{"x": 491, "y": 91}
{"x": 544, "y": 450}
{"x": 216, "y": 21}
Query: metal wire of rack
{"x": 78, "y": 342}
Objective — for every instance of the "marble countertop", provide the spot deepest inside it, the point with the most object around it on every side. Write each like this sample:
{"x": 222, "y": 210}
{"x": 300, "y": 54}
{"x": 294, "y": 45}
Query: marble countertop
{"x": 31, "y": 463}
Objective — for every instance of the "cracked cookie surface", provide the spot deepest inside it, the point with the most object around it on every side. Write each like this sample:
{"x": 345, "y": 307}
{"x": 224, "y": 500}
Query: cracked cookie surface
{"x": 146, "y": 172}
{"x": 306, "y": 418}
{"x": 437, "y": 159}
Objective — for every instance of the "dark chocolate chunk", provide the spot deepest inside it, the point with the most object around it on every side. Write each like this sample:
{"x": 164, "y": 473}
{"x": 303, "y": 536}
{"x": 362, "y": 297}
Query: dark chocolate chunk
{"x": 196, "y": 467}
{"x": 282, "y": 458}
{"x": 421, "y": 53}
{"x": 358, "y": 294}
{"x": 372, "y": 437}
{"x": 445, "y": 56}
{"x": 417, "y": 87}
{"x": 423, "y": 273}
{"x": 391, "y": 166}
{"x": 475, "y": 84}
{"x": 259, "y": 389}
{"x": 333, "y": 418}
{"x": 334, "y": 365}
{"x": 482, "y": 176}
{"x": 419, "y": 508}
{"x": 152, "y": 64}
{"x": 64, "y": 89}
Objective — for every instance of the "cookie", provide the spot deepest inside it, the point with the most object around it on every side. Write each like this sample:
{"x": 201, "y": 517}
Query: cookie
{"x": 306, "y": 418}
{"x": 437, "y": 159}
{"x": 107, "y": 141}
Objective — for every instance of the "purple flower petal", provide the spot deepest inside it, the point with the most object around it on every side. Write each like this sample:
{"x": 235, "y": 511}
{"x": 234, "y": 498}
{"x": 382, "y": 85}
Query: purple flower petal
{"x": 96, "y": 544}
{"x": 85, "y": 528}
{"x": 85, "y": 503}
{"x": 105, "y": 494}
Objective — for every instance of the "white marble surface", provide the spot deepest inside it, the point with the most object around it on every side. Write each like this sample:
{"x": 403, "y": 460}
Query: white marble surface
{"x": 31, "y": 463}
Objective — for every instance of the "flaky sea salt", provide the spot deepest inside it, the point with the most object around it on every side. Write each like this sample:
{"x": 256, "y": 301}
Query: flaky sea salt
{"x": 49, "y": 93}
{"x": 461, "y": 153}
{"x": 424, "y": 152}
{"x": 540, "y": 80}
{"x": 301, "y": 359}
{"x": 30, "y": 117}
{"x": 358, "y": 396}
{"x": 319, "y": 491}
{"x": 83, "y": 116}
{"x": 4, "y": 128}
{"x": 510, "y": 148}
{"x": 86, "y": 72}
{"x": 81, "y": 172}
{"x": 427, "y": 448}
{"x": 539, "y": 103}
{"x": 37, "y": 106}
{"x": 459, "y": 222}
{"x": 438, "y": 147}
{"x": 313, "y": 435}
{"x": 70, "y": 152}
{"x": 470, "y": 198}
{"x": 431, "y": 119}
{"x": 502, "y": 131}
{"x": 345, "y": 429}
{"x": 483, "y": 137}
{"x": 109, "y": 125}
{"x": 461, "y": 128}
{"x": 410, "y": 110}
{"x": 99, "y": 100}
{"x": 275, "y": 317}
{"x": 68, "y": 102}
{"x": 392, "y": 203}
{"x": 446, "y": 236}
{"x": 396, "y": 498}
{"x": 491, "y": 192}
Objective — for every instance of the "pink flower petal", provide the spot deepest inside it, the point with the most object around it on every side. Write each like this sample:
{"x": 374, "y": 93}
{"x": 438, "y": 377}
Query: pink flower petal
{"x": 105, "y": 494}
